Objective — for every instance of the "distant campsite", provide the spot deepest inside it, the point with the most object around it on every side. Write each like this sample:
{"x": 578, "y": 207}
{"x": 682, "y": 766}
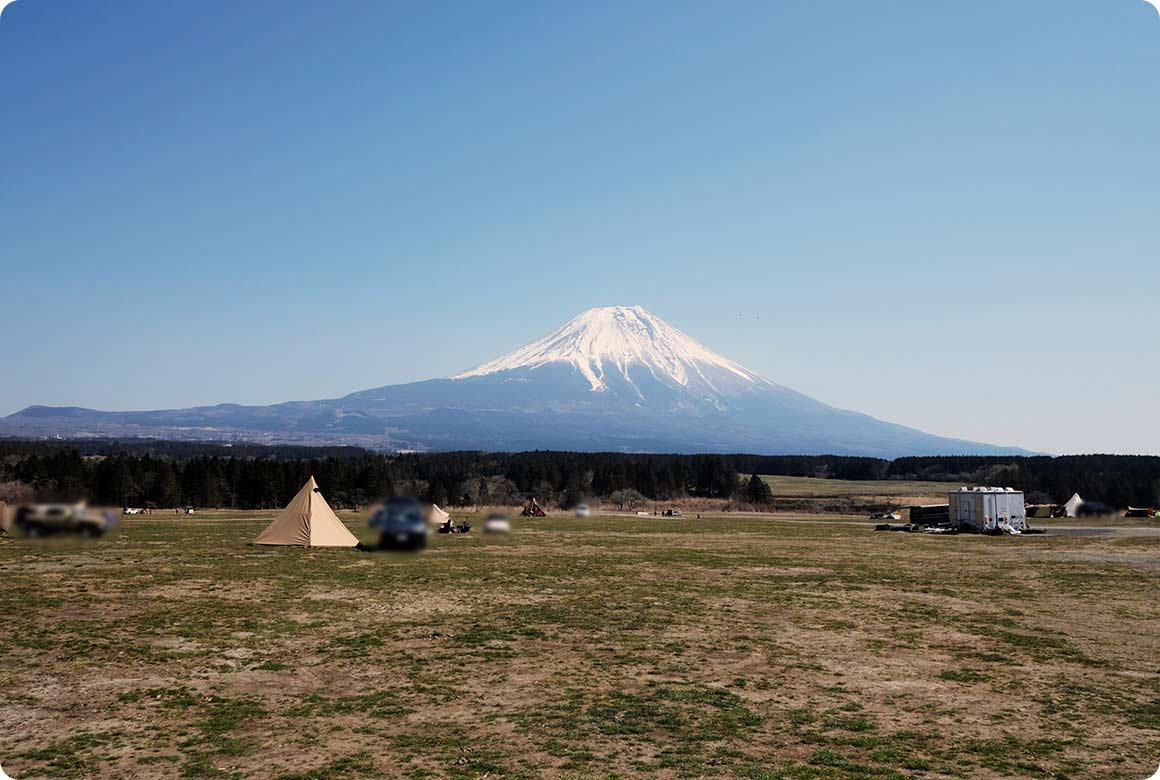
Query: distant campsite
{"x": 148, "y": 474}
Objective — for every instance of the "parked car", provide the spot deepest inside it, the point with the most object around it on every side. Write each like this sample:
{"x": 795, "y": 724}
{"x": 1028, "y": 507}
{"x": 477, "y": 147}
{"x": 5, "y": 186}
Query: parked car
{"x": 497, "y": 524}
{"x": 583, "y": 510}
{"x": 401, "y": 525}
{"x": 1094, "y": 509}
{"x": 42, "y": 519}
{"x": 671, "y": 513}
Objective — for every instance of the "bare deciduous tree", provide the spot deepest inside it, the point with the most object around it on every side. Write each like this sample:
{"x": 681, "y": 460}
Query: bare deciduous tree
{"x": 14, "y": 492}
{"x": 627, "y": 498}
{"x": 412, "y": 487}
{"x": 474, "y": 491}
{"x": 502, "y": 491}
{"x": 545, "y": 493}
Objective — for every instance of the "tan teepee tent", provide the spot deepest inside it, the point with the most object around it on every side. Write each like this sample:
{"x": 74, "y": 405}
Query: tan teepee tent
{"x": 437, "y": 516}
{"x": 308, "y": 521}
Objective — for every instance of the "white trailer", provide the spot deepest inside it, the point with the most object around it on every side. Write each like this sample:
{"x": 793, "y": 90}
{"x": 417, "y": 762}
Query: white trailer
{"x": 988, "y": 509}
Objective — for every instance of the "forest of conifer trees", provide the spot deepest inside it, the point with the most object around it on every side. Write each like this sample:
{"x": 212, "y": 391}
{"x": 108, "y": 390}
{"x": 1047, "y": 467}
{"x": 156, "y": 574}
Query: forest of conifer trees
{"x": 172, "y": 474}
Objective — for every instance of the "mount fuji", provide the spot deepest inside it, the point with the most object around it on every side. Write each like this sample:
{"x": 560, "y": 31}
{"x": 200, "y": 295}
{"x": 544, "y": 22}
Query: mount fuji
{"x": 612, "y": 379}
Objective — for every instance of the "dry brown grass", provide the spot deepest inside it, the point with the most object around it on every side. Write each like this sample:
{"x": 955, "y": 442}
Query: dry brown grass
{"x": 744, "y": 646}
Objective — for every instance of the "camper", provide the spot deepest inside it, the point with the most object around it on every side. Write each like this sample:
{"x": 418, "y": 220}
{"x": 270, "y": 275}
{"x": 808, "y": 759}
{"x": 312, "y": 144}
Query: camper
{"x": 988, "y": 510}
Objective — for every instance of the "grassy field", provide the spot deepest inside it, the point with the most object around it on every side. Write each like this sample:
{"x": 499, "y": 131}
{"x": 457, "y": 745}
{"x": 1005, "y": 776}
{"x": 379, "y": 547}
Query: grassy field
{"x": 848, "y": 496}
{"x": 739, "y": 647}
{"x": 812, "y": 487}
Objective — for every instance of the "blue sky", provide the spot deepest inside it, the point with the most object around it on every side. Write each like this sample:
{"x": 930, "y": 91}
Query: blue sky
{"x": 939, "y": 213}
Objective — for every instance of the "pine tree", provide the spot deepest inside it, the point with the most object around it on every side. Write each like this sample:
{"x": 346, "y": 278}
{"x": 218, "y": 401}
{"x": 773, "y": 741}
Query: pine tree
{"x": 757, "y": 491}
{"x": 166, "y": 491}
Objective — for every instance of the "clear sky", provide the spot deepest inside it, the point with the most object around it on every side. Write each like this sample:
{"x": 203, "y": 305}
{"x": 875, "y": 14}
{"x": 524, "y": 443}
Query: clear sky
{"x": 945, "y": 214}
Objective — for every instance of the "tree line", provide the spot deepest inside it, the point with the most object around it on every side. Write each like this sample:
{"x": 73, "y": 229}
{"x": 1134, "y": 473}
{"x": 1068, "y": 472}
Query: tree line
{"x": 358, "y": 478}
{"x": 1116, "y": 480}
{"x": 168, "y": 474}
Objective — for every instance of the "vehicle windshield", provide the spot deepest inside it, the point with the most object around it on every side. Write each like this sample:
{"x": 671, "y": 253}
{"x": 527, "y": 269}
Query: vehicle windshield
{"x": 403, "y": 512}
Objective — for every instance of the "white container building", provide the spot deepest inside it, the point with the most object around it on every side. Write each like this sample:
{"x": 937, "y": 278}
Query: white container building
{"x": 984, "y": 509}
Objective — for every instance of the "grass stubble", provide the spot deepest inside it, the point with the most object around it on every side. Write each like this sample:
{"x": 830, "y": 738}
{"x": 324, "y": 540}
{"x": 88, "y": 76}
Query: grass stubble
{"x": 759, "y": 647}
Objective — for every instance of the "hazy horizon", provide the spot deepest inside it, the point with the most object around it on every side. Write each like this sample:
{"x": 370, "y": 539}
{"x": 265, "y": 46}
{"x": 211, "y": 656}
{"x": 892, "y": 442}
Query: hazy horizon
{"x": 937, "y": 214}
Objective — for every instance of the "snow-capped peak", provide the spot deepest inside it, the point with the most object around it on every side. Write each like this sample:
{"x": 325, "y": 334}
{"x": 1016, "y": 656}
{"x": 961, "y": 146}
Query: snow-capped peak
{"x": 616, "y": 338}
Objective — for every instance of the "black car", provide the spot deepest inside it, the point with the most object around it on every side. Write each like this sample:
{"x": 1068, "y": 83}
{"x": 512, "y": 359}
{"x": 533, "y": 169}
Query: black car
{"x": 1094, "y": 509}
{"x": 401, "y": 525}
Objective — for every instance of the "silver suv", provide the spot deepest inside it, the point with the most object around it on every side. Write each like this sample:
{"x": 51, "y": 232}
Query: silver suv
{"x": 42, "y": 519}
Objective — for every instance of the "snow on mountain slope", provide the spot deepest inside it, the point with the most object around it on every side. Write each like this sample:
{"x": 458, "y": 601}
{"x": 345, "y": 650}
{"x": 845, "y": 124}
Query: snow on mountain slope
{"x": 617, "y": 338}
{"x": 612, "y": 379}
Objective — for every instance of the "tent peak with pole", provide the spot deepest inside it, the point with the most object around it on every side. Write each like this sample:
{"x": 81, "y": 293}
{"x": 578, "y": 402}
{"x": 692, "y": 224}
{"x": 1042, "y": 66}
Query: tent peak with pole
{"x": 307, "y": 521}
{"x": 436, "y": 516}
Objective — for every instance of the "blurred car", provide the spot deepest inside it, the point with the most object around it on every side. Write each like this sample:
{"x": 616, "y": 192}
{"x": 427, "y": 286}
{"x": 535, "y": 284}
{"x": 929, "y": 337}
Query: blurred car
{"x": 671, "y": 513}
{"x": 497, "y": 524}
{"x": 38, "y": 520}
{"x": 1094, "y": 509}
{"x": 401, "y": 525}
{"x": 583, "y": 510}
